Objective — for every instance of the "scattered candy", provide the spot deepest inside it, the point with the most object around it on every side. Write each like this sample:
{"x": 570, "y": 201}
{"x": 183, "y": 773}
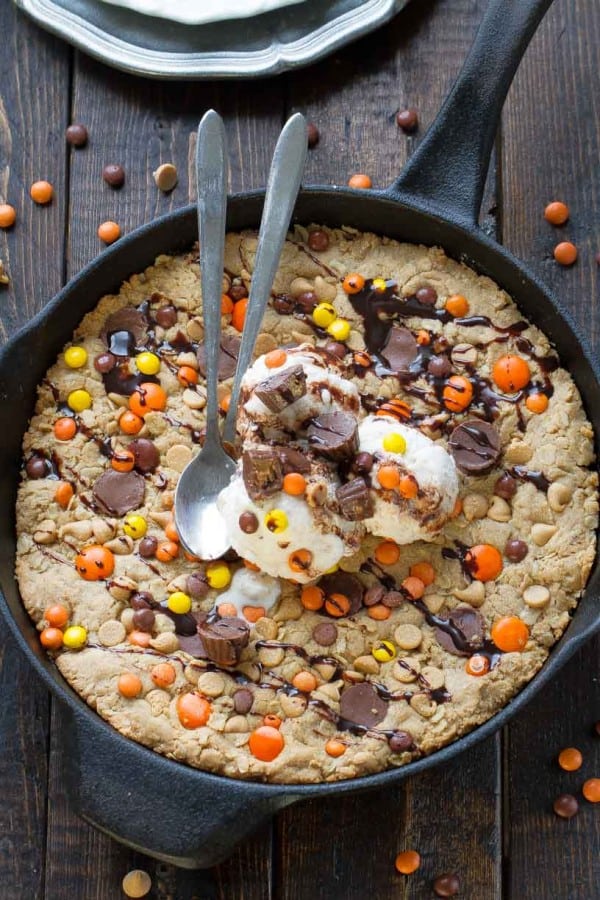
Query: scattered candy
{"x": 193, "y": 710}
{"x": 136, "y": 883}
{"x": 109, "y": 232}
{"x": 387, "y": 553}
{"x": 556, "y": 213}
{"x": 114, "y": 175}
{"x": 324, "y": 314}
{"x": 57, "y": 615}
{"x": 457, "y": 305}
{"x": 337, "y": 605}
{"x": 312, "y": 134}
{"x": 122, "y": 461}
{"x": 477, "y": 665}
{"x": 254, "y": 613}
{"x": 65, "y": 428}
{"x": 457, "y": 393}
{"x": 75, "y": 637}
{"x": 294, "y": 484}
{"x": 591, "y": 790}
{"x": 266, "y": 743}
{"x": 148, "y": 363}
{"x": 165, "y": 177}
{"x": 446, "y": 886}
{"x": 394, "y": 443}
{"x": 360, "y": 181}
{"x": 129, "y": 423}
{"x": 135, "y": 526}
{"x": 166, "y": 551}
{"x": 565, "y": 253}
{"x": 379, "y": 612}
{"x": 218, "y": 575}
{"x": 41, "y": 192}
{"x": 95, "y": 562}
{"x": 424, "y": 571}
{"x": 537, "y": 402}
{"x": 129, "y": 685}
{"x": 300, "y": 560}
{"x": 51, "y": 638}
{"x": 180, "y": 603}
{"x": 275, "y": 358}
{"x": 238, "y": 316}
{"x": 75, "y": 357}
{"x": 408, "y": 120}
{"x": 407, "y": 862}
{"x": 163, "y": 675}
{"x": 63, "y": 494}
{"x": 339, "y": 329}
{"x": 79, "y": 400}
{"x": 510, "y": 634}
{"x": 76, "y": 135}
{"x": 312, "y": 597}
{"x": 379, "y": 285}
{"x": 8, "y": 215}
{"x": 276, "y": 521}
{"x": 304, "y": 681}
{"x": 147, "y": 397}
{"x": 511, "y": 373}
{"x": 353, "y": 283}
{"x": 187, "y": 376}
{"x": 388, "y": 477}
{"x": 384, "y": 651}
{"x": 414, "y": 586}
{"x": 570, "y": 759}
{"x": 566, "y": 806}
{"x": 484, "y": 562}
{"x": 335, "y": 748}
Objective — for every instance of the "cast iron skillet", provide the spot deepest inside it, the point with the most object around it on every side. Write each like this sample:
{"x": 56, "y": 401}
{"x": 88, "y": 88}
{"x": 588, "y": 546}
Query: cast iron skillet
{"x": 164, "y": 808}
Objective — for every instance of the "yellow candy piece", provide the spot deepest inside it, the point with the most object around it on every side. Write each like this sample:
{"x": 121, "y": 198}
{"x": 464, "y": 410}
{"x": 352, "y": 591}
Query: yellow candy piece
{"x": 179, "y": 603}
{"x": 331, "y": 569}
{"x": 394, "y": 443}
{"x": 324, "y": 314}
{"x": 218, "y": 575}
{"x": 378, "y": 284}
{"x": 148, "y": 363}
{"x": 384, "y": 651}
{"x": 76, "y": 357}
{"x": 135, "y": 526}
{"x": 339, "y": 329}
{"x": 79, "y": 400}
{"x": 276, "y": 521}
{"x": 75, "y": 637}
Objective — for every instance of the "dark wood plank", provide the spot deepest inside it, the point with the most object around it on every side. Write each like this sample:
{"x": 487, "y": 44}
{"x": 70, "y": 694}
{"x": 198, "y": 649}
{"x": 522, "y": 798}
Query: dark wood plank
{"x": 33, "y": 110}
{"x": 551, "y": 149}
{"x": 140, "y": 125}
{"x": 353, "y": 100}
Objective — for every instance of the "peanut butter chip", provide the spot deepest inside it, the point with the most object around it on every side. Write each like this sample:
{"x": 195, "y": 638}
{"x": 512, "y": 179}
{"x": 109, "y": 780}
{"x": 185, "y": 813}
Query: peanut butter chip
{"x": 536, "y": 596}
{"x": 212, "y": 684}
{"x": 136, "y": 883}
{"x": 165, "y": 177}
{"x": 542, "y": 533}
{"x": 408, "y": 637}
{"x": 406, "y": 670}
{"x": 166, "y": 642}
{"x": 178, "y": 457}
{"x": 293, "y": 706}
{"x": 434, "y": 677}
{"x": 111, "y": 633}
{"x": 423, "y": 705}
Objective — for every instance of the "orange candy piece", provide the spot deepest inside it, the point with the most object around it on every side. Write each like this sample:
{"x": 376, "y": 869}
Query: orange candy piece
{"x": 193, "y": 710}
{"x": 335, "y": 748}
{"x": 171, "y": 532}
{"x": 511, "y": 373}
{"x": 41, "y": 192}
{"x": 65, "y": 428}
{"x": 424, "y": 571}
{"x": 167, "y": 551}
{"x": 407, "y": 862}
{"x": 123, "y": 461}
{"x": 139, "y": 638}
{"x": 57, "y": 615}
{"x": 565, "y": 253}
{"x": 570, "y": 759}
{"x": 300, "y": 560}
{"x": 353, "y": 283}
{"x": 304, "y": 681}
{"x": 591, "y": 790}
{"x": 63, "y": 494}
{"x": 484, "y": 562}
{"x": 414, "y": 586}
{"x": 294, "y": 484}
{"x": 272, "y": 720}
{"x": 129, "y": 423}
{"x": 408, "y": 487}
{"x": 227, "y": 610}
{"x": 51, "y": 638}
{"x": 457, "y": 393}
{"x": 477, "y": 665}
{"x": 337, "y": 605}
{"x": 275, "y": 358}
{"x": 94, "y": 563}
{"x": 109, "y": 232}
{"x": 254, "y": 613}
{"x": 226, "y": 305}
{"x": 8, "y": 215}
{"x": 129, "y": 685}
{"x": 360, "y": 181}
{"x": 187, "y": 376}
{"x": 556, "y": 213}
{"x": 238, "y": 316}
{"x": 312, "y": 597}
{"x": 457, "y": 305}
{"x": 146, "y": 398}
{"x": 510, "y": 634}
{"x": 379, "y": 612}
{"x": 266, "y": 743}
{"x": 537, "y": 402}
{"x": 163, "y": 674}
{"x": 387, "y": 553}
{"x": 388, "y": 477}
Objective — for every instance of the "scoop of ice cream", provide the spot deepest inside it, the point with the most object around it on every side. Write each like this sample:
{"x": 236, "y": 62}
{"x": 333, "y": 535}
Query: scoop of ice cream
{"x": 279, "y": 399}
{"x": 250, "y": 588}
{"x": 414, "y": 484}
{"x": 285, "y": 535}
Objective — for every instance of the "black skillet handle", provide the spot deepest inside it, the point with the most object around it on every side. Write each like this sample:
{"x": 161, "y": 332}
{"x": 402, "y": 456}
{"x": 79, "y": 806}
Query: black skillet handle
{"x": 448, "y": 170}
{"x": 176, "y": 814}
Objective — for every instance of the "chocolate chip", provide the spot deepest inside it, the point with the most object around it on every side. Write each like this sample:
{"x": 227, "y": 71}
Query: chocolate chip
{"x": 312, "y": 134}
{"x": 293, "y": 460}
{"x": 318, "y": 240}
{"x": 282, "y": 389}
{"x": 361, "y": 704}
{"x": 408, "y": 120}
{"x": 147, "y": 547}
{"x": 334, "y": 435}
{"x": 363, "y": 463}
{"x": 400, "y": 741}
{"x": 143, "y": 619}
{"x": 446, "y": 885}
{"x": 186, "y": 624}
{"x": 373, "y": 595}
{"x": 228, "y": 354}
{"x": 506, "y": 487}
{"x": 325, "y": 634}
{"x": 141, "y": 600}
{"x": 427, "y": 295}
{"x": 146, "y": 454}
{"x": 347, "y": 584}
{"x": 464, "y": 634}
{"x": 566, "y": 806}
{"x": 196, "y": 585}
{"x": 77, "y": 135}
{"x": 401, "y": 349}
{"x": 439, "y": 366}
{"x": 38, "y": 466}
{"x": 224, "y": 639}
{"x": 248, "y": 522}
{"x": 335, "y": 349}
{"x": 193, "y": 646}
{"x": 283, "y": 304}
{"x": 355, "y": 500}
{"x": 104, "y": 362}
{"x": 475, "y": 446}
{"x": 307, "y": 300}
{"x": 128, "y": 319}
{"x": 166, "y": 316}
{"x": 242, "y": 701}
{"x": 238, "y": 291}
{"x": 114, "y": 175}
{"x": 262, "y": 472}
{"x": 392, "y": 599}
{"x": 516, "y": 550}
{"x": 119, "y": 492}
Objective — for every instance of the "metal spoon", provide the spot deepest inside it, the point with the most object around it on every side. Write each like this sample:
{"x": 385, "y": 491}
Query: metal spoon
{"x": 201, "y": 527}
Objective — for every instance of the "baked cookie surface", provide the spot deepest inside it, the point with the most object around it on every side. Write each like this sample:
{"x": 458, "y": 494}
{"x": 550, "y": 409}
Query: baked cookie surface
{"x": 436, "y": 635}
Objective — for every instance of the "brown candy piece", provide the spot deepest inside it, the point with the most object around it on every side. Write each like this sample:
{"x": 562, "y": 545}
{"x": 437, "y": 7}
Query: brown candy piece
{"x": 325, "y": 634}
{"x": 119, "y": 492}
{"x": 334, "y": 435}
{"x": 224, "y": 639}
{"x": 355, "y": 500}
{"x": 362, "y": 705}
{"x": 401, "y": 741}
{"x": 192, "y": 645}
{"x": 446, "y": 885}
{"x": 262, "y": 472}
{"x": 128, "y": 319}
{"x": 475, "y": 446}
{"x": 400, "y": 351}
{"x": 566, "y": 806}
{"x": 516, "y": 550}
{"x": 242, "y": 701}
{"x": 197, "y": 585}
{"x": 37, "y": 466}
{"x": 228, "y": 354}
{"x": 248, "y": 522}
{"x": 293, "y": 460}
{"x": 282, "y": 389}
{"x": 146, "y": 454}
{"x": 465, "y": 632}
{"x": 347, "y": 584}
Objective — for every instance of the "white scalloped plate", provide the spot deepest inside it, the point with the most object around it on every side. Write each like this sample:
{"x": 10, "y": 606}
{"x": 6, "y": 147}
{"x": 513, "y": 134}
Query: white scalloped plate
{"x": 197, "y": 12}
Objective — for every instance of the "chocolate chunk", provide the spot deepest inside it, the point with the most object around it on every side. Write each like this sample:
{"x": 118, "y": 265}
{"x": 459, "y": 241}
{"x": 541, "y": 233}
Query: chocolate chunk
{"x": 334, "y": 435}
{"x": 146, "y": 454}
{"x": 142, "y": 600}
{"x": 475, "y": 446}
{"x": 464, "y": 634}
{"x": 119, "y": 380}
{"x": 293, "y": 461}
{"x": 248, "y": 522}
{"x": 38, "y": 466}
{"x": 361, "y": 704}
{"x": 344, "y": 583}
{"x": 335, "y": 349}
{"x": 186, "y": 624}
{"x": 283, "y": 304}
{"x": 166, "y": 316}
{"x": 400, "y": 741}
{"x": 224, "y": 639}
{"x": 439, "y": 366}
{"x": 282, "y": 389}
{"x": 325, "y": 634}
{"x": 228, "y": 354}
{"x": 197, "y": 585}
{"x": 262, "y": 472}
{"x": 242, "y": 701}
{"x": 355, "y": 500}
{"x": 374, "y": 595}
{"x": 129, "y": 320}
{"x": 119, "y": 492}
{"x": 143, "y": 619}
{"x": 193, "y": 646}
{"x": 363, "y": 463}
{"x": 400, "y": 351}
{"x": 506, "y": 487}
{"x": 147, "y": 547}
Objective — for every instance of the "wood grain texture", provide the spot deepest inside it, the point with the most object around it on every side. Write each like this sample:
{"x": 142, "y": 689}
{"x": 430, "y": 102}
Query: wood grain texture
{"x": 550, "y": 151}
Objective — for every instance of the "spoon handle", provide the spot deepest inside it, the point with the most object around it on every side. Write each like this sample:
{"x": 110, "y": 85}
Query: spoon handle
{"x": 211, "y": 173}
{"x": 282, "y": 189}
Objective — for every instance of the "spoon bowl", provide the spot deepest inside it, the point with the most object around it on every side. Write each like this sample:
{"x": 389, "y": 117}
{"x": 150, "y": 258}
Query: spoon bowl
{"x": 196, "y": 502}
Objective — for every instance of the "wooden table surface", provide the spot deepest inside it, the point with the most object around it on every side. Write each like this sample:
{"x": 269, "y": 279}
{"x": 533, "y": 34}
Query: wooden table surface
{"x": 488, "y": 816}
